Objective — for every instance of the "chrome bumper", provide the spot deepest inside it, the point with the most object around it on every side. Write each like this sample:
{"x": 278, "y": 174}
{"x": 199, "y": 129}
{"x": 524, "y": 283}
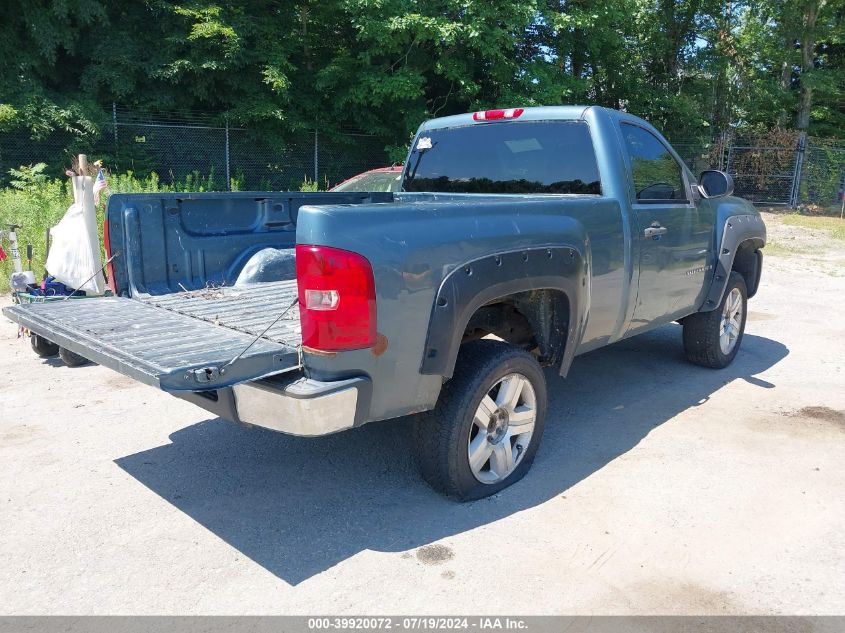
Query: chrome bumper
{"x": 301, "y": 406}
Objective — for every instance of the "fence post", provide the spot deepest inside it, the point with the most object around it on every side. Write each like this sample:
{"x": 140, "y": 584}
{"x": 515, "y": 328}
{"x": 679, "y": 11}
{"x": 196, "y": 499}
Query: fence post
{"x": 114, "y": 126}
{"x": 727, "y": 169}
{"x": 724, "y": 139}
{"x": 316, "y": 156}
{"x": 228, "y": 172}
{"x": 799, "y": 166}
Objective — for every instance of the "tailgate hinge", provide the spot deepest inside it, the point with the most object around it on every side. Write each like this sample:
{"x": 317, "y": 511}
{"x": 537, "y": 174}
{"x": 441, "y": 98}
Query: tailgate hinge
{"x": 204, "y": 374}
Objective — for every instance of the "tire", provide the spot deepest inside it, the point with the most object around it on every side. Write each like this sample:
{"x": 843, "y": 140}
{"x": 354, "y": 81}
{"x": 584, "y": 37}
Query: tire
{"x": 445, "y": 435}
{"x": 70, "y": 359}
{"x": 704, "y": 336}
{"x": 43, "y": 347}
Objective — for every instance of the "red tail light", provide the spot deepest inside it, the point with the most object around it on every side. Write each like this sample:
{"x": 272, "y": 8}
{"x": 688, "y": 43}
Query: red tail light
{"x": 492, "y": 115}
{"x": 110, "y": 266}
{"x": 337, "y": 298}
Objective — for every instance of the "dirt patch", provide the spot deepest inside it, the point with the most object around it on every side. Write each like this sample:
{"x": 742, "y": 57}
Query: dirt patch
{"x": 121, "y": 382}
{"x": 681, "y": 598}
{"x": 807, "y": 420}
{"x": 211, "y": 291}
{"x": 795, "y": 248}
{"x": 825, "y": 414}
{"x": 434, "y": 554}
{"x": 19, "y": 434}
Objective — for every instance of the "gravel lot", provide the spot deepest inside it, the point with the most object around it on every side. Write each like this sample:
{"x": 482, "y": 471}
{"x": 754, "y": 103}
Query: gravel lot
{"x": 675, "y": 490}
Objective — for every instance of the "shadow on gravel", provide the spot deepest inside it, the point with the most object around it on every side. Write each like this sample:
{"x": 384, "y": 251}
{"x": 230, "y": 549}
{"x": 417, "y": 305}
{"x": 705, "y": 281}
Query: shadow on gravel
{"x": 298, "y": 506}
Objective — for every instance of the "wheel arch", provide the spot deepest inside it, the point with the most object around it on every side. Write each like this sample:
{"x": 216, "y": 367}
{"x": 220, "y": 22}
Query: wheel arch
{"x": 748, "y": 262}
{"x": 738, "y": 249}
{"x": 545, "y": 286}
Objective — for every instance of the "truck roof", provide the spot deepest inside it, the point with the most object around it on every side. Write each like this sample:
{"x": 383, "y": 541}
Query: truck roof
{"x": 538, "y": 113}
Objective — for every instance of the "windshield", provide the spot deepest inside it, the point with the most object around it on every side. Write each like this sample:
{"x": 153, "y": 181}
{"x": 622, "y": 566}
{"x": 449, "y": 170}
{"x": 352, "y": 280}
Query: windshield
{"x": 372, "y": 181}
{"x": 508, "y": 157}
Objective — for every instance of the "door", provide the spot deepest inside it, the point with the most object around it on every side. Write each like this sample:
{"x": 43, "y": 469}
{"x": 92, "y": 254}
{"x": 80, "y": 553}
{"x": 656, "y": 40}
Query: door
{"x": 672, "y": 231}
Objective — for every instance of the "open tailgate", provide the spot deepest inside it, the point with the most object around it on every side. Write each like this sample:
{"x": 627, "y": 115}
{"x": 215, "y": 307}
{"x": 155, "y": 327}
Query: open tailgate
{"x": 158, "y": 346}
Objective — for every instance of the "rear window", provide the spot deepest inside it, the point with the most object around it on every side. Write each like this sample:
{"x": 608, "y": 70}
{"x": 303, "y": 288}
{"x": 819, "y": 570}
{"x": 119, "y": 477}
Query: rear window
{"x": 507, "y": 157}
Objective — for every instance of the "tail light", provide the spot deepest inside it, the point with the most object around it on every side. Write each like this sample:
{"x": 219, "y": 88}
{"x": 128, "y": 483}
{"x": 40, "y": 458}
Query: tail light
{"x": 492, "y": 115}
{"x": 110, "y": 266}
{"x": 337, "y": 298}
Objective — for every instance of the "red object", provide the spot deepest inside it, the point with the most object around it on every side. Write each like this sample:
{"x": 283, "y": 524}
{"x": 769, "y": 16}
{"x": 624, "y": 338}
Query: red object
{"x": 492, "y": 115}
{"x": 2, "y": 254}
{"x": 337, "y": 298}
{"x": 110, "y": 266}
{"x": 393, "y": 169}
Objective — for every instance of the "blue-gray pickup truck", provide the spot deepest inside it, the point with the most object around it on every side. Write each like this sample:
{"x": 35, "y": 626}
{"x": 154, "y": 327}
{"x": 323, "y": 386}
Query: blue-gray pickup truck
{"x": 520, "y": 239}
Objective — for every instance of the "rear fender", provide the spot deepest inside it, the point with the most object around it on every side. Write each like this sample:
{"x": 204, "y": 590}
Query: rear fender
{"x": 482, "y": 281}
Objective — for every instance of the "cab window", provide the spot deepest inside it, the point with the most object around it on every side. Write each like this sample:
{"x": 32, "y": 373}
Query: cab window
{"x": 516, "y": 157}
{"x": 656, "y": 175}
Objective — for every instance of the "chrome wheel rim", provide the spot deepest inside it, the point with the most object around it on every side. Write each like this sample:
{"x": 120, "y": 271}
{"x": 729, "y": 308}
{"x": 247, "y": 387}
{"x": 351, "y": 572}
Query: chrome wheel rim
{"x": 502, "y": 429}
{"x": 731, "y": 323}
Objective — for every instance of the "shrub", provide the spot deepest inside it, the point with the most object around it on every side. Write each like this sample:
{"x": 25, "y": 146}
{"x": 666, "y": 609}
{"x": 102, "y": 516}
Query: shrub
{"x": 37, "y": 202}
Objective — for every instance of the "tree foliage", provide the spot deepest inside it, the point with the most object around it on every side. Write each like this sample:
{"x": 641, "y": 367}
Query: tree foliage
{"x": 693, "y": 67}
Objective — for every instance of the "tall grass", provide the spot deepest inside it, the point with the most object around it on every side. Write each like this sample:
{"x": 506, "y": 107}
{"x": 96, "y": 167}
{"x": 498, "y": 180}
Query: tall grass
{"x": 37, "y": 202}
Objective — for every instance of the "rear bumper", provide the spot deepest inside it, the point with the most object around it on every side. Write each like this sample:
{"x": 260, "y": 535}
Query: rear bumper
{"x": 298, "y": 406}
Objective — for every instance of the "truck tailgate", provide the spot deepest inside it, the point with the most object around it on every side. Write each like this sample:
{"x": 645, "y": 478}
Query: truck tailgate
{"x": 180, "y": 342}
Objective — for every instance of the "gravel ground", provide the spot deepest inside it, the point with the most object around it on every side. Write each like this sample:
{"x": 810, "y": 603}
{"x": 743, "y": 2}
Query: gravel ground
{"x": 660, "y": 488}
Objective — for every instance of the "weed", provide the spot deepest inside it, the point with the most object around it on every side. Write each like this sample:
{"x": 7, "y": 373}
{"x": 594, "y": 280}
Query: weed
{"x": 37, "y": 202}
{"x": 834, "y": 226}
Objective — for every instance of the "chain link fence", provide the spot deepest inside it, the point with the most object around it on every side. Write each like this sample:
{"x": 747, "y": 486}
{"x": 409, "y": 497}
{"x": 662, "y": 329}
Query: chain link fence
{"x": 202, "y": 149}
{"x": 797, "y": 171}
{"x": 823, "y": 173}
{"x": 780, "y": 169}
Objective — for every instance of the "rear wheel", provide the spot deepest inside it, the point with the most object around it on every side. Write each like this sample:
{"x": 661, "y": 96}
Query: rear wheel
{"x": 43, "y": 347}
{"x": 70, "y": 359}
{"x": 484, "y": 432}
{"x": 712, "y": 339}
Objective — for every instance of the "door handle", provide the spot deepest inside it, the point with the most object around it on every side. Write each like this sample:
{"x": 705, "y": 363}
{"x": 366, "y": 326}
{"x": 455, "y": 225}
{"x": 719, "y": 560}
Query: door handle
{"x": 655, "y": 229}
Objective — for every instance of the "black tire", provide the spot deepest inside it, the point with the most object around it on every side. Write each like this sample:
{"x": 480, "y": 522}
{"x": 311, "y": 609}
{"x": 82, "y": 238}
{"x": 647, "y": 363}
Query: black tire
{"x": 442, "y": 435}
{"x": 43, "y": 347}
{"x": 701, "y": 330}
{"x": 70, "y": 359}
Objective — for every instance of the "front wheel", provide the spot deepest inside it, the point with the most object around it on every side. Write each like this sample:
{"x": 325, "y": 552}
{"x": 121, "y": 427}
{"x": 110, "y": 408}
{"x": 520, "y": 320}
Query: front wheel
{"x": 484, "y": 432}
{"x": 712, "y": 339}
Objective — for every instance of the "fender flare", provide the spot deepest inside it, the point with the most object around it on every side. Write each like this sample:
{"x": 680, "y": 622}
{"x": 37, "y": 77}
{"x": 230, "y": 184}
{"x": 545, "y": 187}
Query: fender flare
{"x": 737, "y": 229}
{"x": 486, "y": 279}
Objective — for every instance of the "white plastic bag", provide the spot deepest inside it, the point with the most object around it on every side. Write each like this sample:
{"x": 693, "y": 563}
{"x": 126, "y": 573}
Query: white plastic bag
{"x": 74, "y": 257}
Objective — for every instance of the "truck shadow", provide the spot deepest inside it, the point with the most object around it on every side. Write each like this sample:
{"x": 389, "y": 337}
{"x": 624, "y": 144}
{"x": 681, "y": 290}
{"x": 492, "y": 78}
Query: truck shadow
{"x": 299, "y": 506}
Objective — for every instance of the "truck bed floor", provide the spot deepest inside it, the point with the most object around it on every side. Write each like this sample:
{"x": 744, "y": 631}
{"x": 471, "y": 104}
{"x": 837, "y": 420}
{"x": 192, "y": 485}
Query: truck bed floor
{"x": 247, "y": 309}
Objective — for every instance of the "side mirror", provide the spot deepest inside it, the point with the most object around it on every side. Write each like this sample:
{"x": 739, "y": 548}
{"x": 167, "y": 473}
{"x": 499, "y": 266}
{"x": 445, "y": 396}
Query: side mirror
{"x": 713, "y": 183}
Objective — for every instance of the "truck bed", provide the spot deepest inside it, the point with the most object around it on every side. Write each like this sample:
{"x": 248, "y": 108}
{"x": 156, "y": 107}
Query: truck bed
{"x": 179, "y": 342}
{"x": 248, "y": 309}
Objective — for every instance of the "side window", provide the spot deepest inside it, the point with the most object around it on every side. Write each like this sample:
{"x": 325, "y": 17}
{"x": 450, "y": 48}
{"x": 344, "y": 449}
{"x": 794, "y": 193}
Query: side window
{"x": 656, "y": 174}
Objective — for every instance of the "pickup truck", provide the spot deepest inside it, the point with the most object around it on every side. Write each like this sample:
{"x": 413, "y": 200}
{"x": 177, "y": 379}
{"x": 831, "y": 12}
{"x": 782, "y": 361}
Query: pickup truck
{"x": 520, "y": 239}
